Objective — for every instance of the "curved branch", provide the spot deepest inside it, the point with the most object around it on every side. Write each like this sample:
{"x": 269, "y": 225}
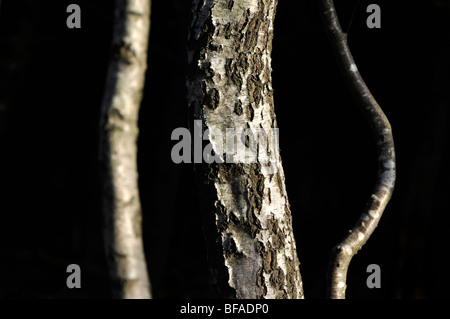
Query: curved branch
{"x": 381, "y": 129}
{"x": 118, "y": 150}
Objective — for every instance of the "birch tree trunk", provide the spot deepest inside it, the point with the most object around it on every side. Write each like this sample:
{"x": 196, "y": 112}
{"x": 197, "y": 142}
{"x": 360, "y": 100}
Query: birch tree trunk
{"x": 118, "y": 150}
{"x": 246, "y": 214}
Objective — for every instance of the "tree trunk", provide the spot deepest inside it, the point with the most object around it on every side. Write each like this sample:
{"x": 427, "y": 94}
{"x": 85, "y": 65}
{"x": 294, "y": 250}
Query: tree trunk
{"x": 246, "y": 214}
{"x": 118, "y": 150}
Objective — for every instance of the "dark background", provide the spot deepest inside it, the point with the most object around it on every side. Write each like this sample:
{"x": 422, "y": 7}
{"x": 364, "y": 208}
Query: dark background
{"x": 51, "y": 86}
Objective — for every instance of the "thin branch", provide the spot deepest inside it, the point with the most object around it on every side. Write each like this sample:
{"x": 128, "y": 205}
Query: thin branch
{"x": 342, "y": 254}
{"x": 118, "y": 150}
{"x": 353, "y": 16}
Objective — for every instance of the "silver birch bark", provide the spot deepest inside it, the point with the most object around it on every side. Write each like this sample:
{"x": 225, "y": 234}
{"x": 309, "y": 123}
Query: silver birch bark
{"x": 118, "y": 150}
{"x": 246, "y": 214}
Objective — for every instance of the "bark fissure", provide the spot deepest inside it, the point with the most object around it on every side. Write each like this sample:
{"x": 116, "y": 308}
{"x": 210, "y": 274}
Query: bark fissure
{"x": 230, "y": 87}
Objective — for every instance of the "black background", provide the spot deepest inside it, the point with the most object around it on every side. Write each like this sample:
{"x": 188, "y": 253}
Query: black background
{"x": 51, "y": 86}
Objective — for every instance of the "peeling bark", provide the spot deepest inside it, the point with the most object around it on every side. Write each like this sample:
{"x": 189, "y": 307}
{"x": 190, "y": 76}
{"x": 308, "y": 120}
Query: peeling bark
{"x": 343, "y": 253}
{"x": 118, "y": 150}
{"x": 246, "y": 214}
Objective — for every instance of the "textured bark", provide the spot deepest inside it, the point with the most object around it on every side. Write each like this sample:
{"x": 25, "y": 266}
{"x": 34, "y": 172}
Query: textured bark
{"x": 118, "y": 150}
{"x": 343, "y": 253}
{"x": 247, "y": 219}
